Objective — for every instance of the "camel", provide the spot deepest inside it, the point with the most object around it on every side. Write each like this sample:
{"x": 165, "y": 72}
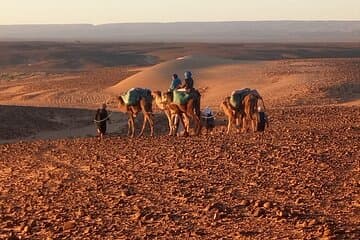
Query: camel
{"x": 245, "y": 109}
{"x": 162, "y": 103}
{"x": 231, "y": 113}
{"x": 251, "y": 114}
{"x": 189, "y": 110}
{"x": 143, "y": 103}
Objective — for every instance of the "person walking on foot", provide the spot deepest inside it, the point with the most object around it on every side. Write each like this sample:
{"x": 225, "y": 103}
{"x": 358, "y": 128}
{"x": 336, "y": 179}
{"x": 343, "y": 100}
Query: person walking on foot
{"x": 101, "y": 118}
{"x": 263, "y": 120}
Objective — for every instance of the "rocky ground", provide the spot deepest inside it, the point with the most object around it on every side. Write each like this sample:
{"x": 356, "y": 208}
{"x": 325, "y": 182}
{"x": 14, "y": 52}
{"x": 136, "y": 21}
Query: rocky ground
{"x": 299, "y": 180}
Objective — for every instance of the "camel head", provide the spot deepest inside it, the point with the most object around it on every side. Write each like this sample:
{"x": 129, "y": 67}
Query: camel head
{"x": 156, "y": 95}
{"x": 227, "y": 109}
{"x": 161, "y": 99}
{"x": 168, "y": 97}
{"x": 121, "y": 104}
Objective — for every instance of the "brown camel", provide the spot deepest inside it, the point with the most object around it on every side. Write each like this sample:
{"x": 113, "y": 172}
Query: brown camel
{"x": 251, "y": 114}
{"x": 189, "y": 110}
{"x": 143, "y": 104}
{"x": 244, "y": 111}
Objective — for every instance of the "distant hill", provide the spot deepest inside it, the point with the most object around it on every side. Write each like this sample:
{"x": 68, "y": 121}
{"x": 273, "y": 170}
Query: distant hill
{"x": 212, "y": 32}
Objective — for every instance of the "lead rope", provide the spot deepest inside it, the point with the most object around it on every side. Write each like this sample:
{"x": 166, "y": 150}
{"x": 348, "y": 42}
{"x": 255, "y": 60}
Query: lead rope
{"x": 213, "y": 116}
{"x": 102, "y": 120}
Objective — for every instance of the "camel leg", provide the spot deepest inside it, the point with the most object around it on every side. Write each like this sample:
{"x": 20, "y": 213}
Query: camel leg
{"x": 187, "y": 123}
{"x": 252, "y": 125}
{"x": 255, "y": 122}
{"x": 198, "y": 132}
{"x": 132, "y": 125}
{"x": 237, "y": 121}
{"x": 244, "y": 124}
{"x": 168, "y": 115}
{"x": 228, "y": 126}
{"x": 186, "y": 127}
{"x": 197, "y": 124}
{"x": 143, "y": 125}
{"x": 129, "y": 127}
{"x": 146, "y": 109}
{"x": 240, "y": 122}
{"x": 151, "y": 124}
{"x": 147, "y": 119}
{"x": 174, "y": 123}
{"x": 176, "y": 118}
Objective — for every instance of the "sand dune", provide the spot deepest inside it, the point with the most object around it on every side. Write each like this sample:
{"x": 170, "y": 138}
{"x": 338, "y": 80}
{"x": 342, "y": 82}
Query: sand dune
{"x": 283, "y": 82}
{"x": 159, "y": 76}
{"x": 300, "y": 179}
{"x": 216, "y": 77}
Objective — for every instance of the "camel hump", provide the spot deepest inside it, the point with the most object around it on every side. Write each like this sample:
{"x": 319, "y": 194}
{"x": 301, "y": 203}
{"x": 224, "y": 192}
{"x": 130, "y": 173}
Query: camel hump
{"x": 133, "y": 96}
{"x": 180, "y": 97}
{"x": 237, "y": 97}
{"x": 255, "y": 93}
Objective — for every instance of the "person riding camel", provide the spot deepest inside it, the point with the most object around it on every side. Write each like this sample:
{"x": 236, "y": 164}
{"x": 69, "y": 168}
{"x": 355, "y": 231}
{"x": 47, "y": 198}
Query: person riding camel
{"x": 189, "y": 82}
{"x": 175, "y": 83}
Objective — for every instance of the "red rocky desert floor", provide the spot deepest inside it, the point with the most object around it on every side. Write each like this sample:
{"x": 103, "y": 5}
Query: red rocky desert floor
{"x": 300, "y": 180}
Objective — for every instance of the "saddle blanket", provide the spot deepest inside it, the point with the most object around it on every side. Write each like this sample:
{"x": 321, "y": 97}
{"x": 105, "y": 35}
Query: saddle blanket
{"x": 237, "y": 96}
{"x": 181, "y": 97}
{"x": 133, "y": 96}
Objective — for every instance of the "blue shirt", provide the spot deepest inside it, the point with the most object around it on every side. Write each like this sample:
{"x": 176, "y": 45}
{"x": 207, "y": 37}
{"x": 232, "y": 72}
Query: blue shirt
{"x": 175, "y": 84}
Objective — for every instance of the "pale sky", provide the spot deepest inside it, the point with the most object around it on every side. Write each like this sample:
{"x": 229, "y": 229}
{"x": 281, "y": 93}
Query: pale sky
{"x": 118, "y": 11}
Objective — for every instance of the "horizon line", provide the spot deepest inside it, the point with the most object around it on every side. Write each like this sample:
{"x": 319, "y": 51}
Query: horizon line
{"x": 172, "y": 22}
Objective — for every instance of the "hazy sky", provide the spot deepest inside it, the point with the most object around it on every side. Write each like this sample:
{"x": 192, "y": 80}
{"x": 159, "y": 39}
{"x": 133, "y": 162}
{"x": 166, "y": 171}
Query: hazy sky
{"x": 110, "y": 11}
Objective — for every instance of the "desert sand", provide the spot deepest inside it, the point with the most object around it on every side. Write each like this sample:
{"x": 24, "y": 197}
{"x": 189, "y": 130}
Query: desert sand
{"x": 298, "y": 180}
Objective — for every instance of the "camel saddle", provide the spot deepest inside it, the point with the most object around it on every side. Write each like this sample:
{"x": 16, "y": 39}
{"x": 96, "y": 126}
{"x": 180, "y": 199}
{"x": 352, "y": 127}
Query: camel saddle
{"x": 180, "y": 96}
{"x": 133, "y": 96}
{"x": 237, "y": 96}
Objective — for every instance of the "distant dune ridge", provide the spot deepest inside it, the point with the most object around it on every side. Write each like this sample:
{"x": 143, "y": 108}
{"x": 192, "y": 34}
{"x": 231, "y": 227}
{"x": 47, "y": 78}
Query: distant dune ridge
{"x": 227, "y": 32}
{"x": 159, "y": 76}
{"x": 219, "y": 76}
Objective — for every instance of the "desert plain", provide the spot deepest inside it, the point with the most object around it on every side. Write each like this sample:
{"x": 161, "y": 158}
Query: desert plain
{"x": 298, "y": 180}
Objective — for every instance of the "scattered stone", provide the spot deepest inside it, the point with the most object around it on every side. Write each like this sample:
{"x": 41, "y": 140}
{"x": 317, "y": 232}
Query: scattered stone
{"x": 136, "y": 216}
{"x": 267, "y": 205}
{"x": 257, "y": 203}
{"x": 327, "y": 232}
{"x": 299, "y": 201}
{"x": 301, "y": 224}
{"x": 258, "y": 212}
{"x": 312, "y": 222}
{"x": 68, "y": 225}
{"x": 244, "y": 203}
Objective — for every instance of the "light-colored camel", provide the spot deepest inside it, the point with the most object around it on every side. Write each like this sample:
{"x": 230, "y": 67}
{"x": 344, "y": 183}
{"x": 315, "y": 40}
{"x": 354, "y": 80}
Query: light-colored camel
{"x": 162, "y": 102}
{"x": 185, "y": 112}
{"x": 144, "y": 105}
